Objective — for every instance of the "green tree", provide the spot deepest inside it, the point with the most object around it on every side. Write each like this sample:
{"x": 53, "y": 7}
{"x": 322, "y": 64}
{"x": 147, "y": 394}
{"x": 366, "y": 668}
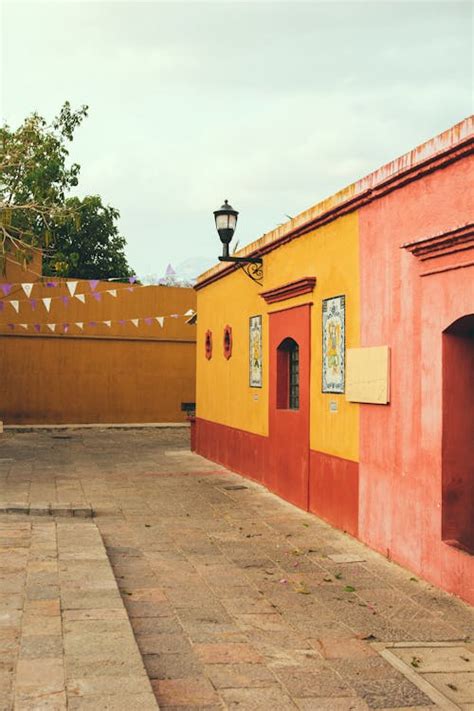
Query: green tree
{"x": 34, "y": 181}
{"x": 88, "y": 245}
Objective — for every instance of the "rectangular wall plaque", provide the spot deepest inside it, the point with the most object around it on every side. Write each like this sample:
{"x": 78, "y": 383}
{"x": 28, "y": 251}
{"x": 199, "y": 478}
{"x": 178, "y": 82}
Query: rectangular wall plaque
{"x": 368, "y": 375}
{"x": 334, "y": 344}
{"x": 255, "y": 351}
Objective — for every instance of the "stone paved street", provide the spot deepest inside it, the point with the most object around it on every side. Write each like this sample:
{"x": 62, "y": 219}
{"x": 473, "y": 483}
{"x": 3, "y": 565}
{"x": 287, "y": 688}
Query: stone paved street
{"x": 237, "y": 600}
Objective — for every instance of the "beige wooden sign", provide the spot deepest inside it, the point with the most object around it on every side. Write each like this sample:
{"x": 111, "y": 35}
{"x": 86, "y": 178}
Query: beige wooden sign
{"x": 368, "y": 375}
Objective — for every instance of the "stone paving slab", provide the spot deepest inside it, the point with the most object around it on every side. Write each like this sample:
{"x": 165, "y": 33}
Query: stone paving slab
{"x": 237, "y": 600}
{"x": 44, "y": 639}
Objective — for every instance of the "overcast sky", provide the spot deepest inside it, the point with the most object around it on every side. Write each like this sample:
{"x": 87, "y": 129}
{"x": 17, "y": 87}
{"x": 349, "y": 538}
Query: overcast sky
{"x": 273, "y": 105}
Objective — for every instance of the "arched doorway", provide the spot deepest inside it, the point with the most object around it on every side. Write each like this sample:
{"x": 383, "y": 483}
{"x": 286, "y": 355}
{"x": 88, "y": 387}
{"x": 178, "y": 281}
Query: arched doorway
{"x": 458, "y": 435}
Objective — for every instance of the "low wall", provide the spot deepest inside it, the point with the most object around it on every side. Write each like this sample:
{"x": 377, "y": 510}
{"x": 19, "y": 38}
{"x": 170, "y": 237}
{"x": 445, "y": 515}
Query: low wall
{"x": 69, "y": 379}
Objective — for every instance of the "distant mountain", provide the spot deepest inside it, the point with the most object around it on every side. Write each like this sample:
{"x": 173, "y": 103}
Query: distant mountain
{"x": 192, "y": 267}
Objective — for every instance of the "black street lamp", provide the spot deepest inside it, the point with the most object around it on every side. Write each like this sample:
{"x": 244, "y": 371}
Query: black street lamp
{"x": 226, "y": 222}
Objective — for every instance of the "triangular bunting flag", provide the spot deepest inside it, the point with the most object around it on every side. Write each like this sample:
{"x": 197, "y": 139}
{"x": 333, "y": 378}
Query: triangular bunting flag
{"x": 169, "y": 271}
{"x": 97, "y": 295}
{"x": 107, "y": 323}
{"x": 33, "y": 303}
{"x": 23, "y": 325}
{"x": 27, "y": 288}
{"x": 51, "y": 326}
{"x": 80, "y": 324}
{"x": 72, "y": 286}
{"x": 37, "y": 327}
{"x": 148, "y": 320}
{"x": 15, "y": 305}
{"x": 80, "y": 297}
{"x": 161, "y": 320}
{"x": 6, "y": 288}
{"x": 47, "y": 303}
{"x": 190, "y": 312}
{"x": 112, "y": 292}
{"x": 135, "y": 321}
{"x": 132, "y": 279}
{"x": 93, "y": 284}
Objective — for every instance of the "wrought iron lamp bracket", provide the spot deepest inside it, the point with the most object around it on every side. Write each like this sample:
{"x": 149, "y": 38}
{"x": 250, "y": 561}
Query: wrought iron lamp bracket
{"x": 251, "y": 266}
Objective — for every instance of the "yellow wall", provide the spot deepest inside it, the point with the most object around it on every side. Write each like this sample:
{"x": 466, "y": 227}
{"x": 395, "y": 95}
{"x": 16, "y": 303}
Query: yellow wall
{"x": 223, "y": 394}
{"x": 120, "y": 373}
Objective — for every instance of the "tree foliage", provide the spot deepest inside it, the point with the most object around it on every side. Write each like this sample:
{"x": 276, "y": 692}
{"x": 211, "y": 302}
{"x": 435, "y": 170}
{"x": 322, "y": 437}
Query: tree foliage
{"x": 88, "y": 246}
{"x": 78, "y": 237}
{"x": 34, "y": 180}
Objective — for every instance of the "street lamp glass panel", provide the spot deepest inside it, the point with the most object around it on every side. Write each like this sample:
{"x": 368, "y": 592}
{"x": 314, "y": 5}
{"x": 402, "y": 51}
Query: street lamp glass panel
{"x": 226, "y": 221}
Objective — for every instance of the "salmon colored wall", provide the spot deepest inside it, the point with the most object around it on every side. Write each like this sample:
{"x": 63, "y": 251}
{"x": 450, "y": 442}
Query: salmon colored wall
{"x": 400, "y": 444}
{"x": 223, "y": 393}
{"x": 101, "y": 374}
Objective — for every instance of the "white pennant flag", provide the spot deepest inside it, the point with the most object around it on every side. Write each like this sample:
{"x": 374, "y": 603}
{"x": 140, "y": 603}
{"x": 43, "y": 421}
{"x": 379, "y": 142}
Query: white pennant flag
{"x": 161, "y": 320}
{"x": 15, "y": 305}
{"x": 107, "y": 323}
{"x": 47, "y": 302}
{"x": 112, "y": 292}
{"x": 135, "y": 321}
{"x": 190, "y": 312}
{"x": 80, "y": 324}
{"x": 23, "y": 325}
{"x": 71, "y": 285}
{"x": 51, "y": 326}
{"x": 27, "y": 288}
{"x": 81, "y": 297}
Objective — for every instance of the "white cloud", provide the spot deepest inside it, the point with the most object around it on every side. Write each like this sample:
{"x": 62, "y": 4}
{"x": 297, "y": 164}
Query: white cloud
{"x": 272, "y": 105}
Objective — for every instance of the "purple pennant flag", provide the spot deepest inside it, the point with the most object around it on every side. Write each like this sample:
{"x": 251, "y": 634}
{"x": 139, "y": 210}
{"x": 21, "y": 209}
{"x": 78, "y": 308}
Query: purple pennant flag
{"x": 65, "y": 327}
{"x": 122, "y": 322}
{"x": 132, "y": 279}
{"x": 33, "y": 304}
{"x": 169, "y": 271}
{"x": 51, "y": 284}
{"x": 65, "y": 300}
{"x": 6, "y": 288}
{"x": 97, "y": 295}
{"x": 148, "y": 320}
{"x": 37, "y": 327}
{"x": 92, "y": 323}
{"x": 93, "y": 284}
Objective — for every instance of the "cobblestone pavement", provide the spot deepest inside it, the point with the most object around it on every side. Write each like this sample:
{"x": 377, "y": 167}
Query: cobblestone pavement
{"x": 237, "y": 600}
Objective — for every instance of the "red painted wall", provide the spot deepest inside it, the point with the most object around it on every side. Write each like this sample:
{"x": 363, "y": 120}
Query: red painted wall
{"x": 334, "y": 491}
{"x": 400, "y": 474}
{"x": 240, "y": 451}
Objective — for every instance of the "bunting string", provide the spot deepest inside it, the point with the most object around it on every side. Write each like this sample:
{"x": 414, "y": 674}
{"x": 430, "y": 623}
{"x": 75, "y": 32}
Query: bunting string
{"x": 81, "y": 325}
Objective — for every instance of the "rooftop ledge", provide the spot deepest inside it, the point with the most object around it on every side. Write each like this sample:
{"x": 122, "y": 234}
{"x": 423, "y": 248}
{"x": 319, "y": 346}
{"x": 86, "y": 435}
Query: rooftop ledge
{"x": 351, "y": 196}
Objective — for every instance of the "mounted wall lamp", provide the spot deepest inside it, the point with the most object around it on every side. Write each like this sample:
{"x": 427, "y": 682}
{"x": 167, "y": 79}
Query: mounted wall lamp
{"x": 226, "y": 222}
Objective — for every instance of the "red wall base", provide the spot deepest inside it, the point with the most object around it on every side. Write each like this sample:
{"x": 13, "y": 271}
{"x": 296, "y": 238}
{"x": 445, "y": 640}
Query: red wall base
{"x": 240, "y": 451}
{"x": 333, "y": 482}
{"x": 334, "y": 491}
